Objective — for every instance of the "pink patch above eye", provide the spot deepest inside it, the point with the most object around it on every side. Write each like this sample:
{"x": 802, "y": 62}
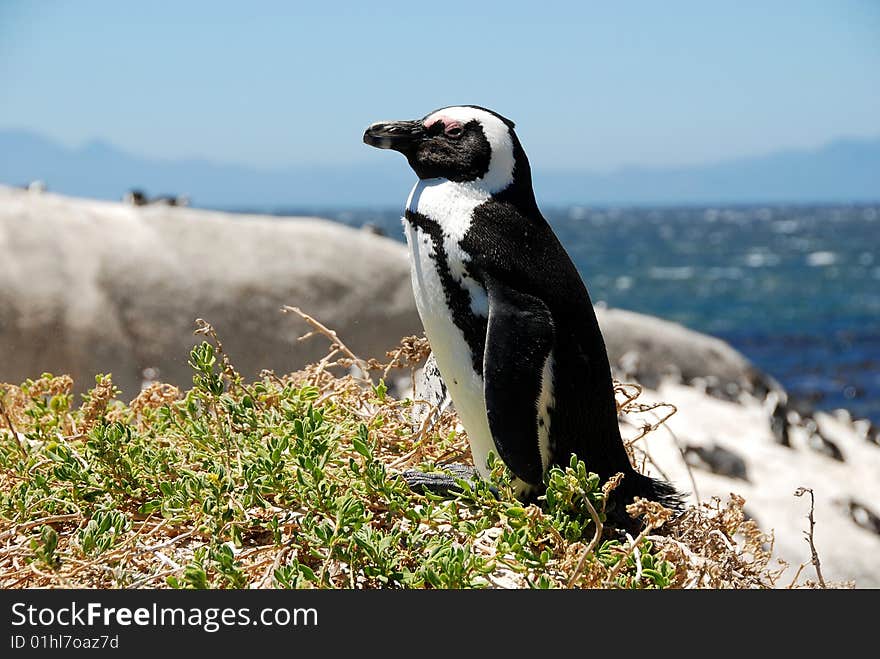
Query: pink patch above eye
{"x": 446, "y": 122}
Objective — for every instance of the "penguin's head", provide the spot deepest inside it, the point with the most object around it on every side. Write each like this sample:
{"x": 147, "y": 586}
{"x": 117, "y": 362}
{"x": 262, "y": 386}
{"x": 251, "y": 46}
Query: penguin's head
{"x": 463, "y": 143}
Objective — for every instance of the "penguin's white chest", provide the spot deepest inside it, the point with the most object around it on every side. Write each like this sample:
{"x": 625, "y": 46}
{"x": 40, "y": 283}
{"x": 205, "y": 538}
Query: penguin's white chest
{"x": 451, "y": 208}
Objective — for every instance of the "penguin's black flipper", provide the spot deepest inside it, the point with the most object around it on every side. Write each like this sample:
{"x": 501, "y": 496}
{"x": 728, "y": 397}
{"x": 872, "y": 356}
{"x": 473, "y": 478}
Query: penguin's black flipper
{"x": 519, "y": 338}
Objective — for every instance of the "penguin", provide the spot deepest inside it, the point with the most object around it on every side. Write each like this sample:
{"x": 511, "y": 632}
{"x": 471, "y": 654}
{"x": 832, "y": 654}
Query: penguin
{"x": 509, "y": 320}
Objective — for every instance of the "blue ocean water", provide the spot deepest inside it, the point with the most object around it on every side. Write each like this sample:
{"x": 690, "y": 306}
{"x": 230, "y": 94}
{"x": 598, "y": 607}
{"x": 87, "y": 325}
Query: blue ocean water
{"x": 795, "y": 288}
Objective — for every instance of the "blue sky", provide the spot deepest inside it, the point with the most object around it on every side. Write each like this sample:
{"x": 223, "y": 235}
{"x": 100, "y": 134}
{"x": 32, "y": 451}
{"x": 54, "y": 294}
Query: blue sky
{"x": 591, "y": 85}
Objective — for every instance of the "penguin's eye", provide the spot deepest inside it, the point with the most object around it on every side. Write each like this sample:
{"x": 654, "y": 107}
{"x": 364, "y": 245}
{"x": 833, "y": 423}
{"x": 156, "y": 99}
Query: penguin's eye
{"x": 454, "y": 130}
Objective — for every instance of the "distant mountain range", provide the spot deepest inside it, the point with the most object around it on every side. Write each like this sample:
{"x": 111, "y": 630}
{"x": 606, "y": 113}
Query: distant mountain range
{"x": 846, "y": 170}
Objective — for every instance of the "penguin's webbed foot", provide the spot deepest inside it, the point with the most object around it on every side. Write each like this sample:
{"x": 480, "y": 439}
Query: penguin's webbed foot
{"x": 445, "y": 483}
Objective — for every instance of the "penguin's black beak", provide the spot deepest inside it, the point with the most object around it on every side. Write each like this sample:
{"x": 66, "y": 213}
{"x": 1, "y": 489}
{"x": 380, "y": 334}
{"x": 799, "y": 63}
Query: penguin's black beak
{"x": 396, "y": 135}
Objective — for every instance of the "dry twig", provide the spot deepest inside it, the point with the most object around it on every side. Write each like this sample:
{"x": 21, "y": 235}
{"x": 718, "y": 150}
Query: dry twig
{"x": 809, "y": 534}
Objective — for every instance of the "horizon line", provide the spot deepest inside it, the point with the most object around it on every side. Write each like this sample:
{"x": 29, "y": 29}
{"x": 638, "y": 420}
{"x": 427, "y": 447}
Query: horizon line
{"x": 621, "y": 168}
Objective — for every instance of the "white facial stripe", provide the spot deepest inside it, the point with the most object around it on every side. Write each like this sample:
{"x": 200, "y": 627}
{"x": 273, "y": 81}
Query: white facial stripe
{"x": 500, "y": 173}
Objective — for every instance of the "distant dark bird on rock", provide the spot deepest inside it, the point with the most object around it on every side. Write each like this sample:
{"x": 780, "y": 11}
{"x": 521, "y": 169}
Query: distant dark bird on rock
{"x": 373, "y": 228}
{"x": 717, "y": 459}
{"x": 779, "y": 423}
{"x": 863, "y": 516}
{"x": 139, "y": 198}
{"x": 170, "y": 200}
{"x": 819, "y": 443}
{"x": 135, "y": 198}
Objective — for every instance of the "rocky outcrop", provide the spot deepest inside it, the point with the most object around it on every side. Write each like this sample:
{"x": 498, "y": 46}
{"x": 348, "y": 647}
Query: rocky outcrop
{"x": 89, "y": 287}
{"x": 649, "y": 349}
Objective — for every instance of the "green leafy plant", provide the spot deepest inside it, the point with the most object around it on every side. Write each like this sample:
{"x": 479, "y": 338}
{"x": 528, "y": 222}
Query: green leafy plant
{"x": 286, "y": 482}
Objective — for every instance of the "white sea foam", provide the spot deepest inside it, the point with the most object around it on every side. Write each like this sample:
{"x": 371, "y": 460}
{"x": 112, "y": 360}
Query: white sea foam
{"x": 761, "y": 259}
{"x": 785, "y": 226}
{"x": 679, "y": 272}
{"x": 821, "y": 259}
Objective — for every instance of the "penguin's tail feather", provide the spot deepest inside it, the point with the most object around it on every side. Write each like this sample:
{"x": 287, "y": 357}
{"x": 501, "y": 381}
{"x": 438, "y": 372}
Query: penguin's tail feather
{"x": 655, "y": 490}
{"x": 635, "y": 485}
